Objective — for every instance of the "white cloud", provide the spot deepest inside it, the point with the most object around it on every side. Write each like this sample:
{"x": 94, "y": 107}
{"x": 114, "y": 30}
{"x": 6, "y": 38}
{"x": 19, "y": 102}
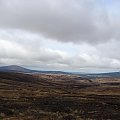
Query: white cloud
{"x": 14, "y": 50}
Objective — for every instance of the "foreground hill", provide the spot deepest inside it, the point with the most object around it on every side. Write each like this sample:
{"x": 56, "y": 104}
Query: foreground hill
{"x": 50, "y": 80}
{"x": 57, "y": 97}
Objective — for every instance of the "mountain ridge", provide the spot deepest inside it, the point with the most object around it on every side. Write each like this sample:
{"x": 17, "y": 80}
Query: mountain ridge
{"x": 19, "y": 69}
{"x": 16, "y": 68}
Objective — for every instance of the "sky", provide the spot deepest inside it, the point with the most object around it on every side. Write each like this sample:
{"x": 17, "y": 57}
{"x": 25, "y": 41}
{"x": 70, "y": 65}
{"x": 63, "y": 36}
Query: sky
{"x": 67, "y": 35}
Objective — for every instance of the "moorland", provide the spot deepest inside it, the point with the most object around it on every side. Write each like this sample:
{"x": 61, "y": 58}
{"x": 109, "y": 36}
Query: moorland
{"x": 58, "y": 97}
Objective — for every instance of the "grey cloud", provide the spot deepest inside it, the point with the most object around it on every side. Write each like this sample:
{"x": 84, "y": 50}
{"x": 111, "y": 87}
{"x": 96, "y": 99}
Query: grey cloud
{"x": 63, "y": 20}
{"x": 26, "y": 25}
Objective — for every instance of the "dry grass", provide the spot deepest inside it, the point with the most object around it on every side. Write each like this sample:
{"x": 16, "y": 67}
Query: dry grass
{"x": 57, "y": 97}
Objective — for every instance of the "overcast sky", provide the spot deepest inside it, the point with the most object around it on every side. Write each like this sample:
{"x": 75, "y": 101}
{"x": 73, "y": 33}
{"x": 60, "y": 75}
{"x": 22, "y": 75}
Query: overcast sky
{"x": 68, "y": 35}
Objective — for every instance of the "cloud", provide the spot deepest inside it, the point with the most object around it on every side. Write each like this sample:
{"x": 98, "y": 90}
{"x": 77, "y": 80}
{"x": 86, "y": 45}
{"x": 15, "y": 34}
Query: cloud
{"x": 63, "y": 20}
{"x": 71, "y": 35}
{"x": 14, "y": 50}
{"x": 39, "y": 53}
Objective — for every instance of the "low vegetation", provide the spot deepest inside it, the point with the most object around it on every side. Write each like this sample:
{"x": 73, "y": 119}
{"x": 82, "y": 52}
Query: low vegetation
{"x": 58, "y": 97}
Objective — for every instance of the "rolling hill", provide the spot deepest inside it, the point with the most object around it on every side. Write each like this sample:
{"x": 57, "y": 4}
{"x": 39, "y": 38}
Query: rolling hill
{"x": 19, "y": 69}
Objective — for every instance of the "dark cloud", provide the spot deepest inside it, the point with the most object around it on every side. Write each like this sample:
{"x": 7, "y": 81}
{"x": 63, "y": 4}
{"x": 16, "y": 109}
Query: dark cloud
{"x": 63, "y": 20}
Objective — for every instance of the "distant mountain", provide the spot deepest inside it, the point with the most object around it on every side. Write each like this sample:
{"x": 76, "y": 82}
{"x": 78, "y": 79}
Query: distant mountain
{"x": 16, "y": 68}
{"x": 109, "y": 74}
{"x": 97, "y": 75}
{"x": 19, "y": 69}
